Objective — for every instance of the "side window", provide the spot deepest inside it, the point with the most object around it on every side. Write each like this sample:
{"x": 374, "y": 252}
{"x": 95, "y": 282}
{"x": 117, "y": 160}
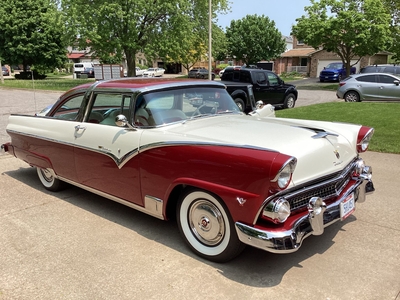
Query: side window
{"x": 386, "y": 79}
{"x": 69, "y": 110}
{"x": 390, "y": 69}
{"x": 273, "y": 79}
{"x": 107, "y": 106}
{"x": 228, "y": 75}
{"x": 367, "y": 78}
{"x": 260, "y": 78}
{"x": 245, "y": 76}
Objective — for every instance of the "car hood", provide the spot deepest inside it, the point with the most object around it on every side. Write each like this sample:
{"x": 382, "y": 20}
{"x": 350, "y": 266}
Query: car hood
{"x": 321, "y": 148}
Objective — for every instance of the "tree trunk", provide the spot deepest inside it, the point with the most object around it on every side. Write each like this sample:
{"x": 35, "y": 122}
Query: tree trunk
{"x": 131, "y": 62}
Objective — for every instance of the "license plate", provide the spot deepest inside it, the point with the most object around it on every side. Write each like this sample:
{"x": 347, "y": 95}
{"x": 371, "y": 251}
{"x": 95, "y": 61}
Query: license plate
{"x": 347, "y": 207}
{"x": 326, "y": 76}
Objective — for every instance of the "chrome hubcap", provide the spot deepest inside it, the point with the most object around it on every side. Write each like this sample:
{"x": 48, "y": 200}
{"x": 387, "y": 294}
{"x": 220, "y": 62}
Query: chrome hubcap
{"x": 47, "y": 175}
{"x": 206, "y": 222}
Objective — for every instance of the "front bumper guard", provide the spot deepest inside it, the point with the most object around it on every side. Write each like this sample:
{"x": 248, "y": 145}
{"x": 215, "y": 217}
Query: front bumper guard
{"x": 319, "y": 216}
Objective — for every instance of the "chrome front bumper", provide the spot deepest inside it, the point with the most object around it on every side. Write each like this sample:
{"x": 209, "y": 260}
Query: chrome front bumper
{"x": 319, "y": 216}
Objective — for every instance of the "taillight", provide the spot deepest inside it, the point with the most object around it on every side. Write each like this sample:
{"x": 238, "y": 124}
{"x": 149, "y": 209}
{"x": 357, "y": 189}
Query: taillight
{"x": 342, "y": 83}
{"x": 363, "y": 138}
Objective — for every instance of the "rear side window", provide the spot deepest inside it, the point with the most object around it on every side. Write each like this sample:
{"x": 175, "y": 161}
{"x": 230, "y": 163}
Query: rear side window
{"x": 367, "y": 78}
{"x": 260, "y": 77}
{"x": 390, "y": 69}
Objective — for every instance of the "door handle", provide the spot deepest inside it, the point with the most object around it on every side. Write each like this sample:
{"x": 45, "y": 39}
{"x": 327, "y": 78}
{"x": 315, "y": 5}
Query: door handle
{"x": 79, "y": 127}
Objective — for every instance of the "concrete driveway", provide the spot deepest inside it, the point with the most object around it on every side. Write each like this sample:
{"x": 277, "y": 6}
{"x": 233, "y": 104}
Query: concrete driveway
{"x": 77, "y": 245}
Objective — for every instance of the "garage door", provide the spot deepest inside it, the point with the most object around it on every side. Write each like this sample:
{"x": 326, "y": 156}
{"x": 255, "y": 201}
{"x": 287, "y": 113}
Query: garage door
{"x": 323, "y": 63}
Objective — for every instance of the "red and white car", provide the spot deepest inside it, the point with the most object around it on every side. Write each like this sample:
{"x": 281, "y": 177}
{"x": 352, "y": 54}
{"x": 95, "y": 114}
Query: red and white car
{"x": 181, "y": 148}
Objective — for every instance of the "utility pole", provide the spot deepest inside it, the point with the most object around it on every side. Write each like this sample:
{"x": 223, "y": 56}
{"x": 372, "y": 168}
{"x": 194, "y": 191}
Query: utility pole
{"x": 1, "y": 74}
{"x": 209, "y": 39}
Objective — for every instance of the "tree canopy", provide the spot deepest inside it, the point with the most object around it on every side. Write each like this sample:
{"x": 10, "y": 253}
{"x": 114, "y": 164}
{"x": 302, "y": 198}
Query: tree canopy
{"x": 349, "y": 28}
{"x": 254, "y": 38}
{"x": 31, "y": 33}
{"x": 393, "y": 8}
{"x": 161, "y": 29}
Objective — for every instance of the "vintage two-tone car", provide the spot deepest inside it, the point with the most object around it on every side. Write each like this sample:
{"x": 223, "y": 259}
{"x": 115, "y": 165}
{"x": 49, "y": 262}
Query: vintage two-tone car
{"x": 181, "y": 148}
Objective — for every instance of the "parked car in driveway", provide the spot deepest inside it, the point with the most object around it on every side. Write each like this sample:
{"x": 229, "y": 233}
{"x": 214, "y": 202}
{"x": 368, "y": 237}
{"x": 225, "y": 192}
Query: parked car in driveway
{"x": 153, "y": 72}
{"x": 200, "y": 74}
{"x": 386, "y": 68}
{"x": 5, "y": 71}
{"x": 229, "y": 67}
{"x": 334, "y": 72}
{"x": 181, "y": 149}
{"x": 369, "y": 86}
{"x": 89, "y": 72}
{"x": 267, "y": 87}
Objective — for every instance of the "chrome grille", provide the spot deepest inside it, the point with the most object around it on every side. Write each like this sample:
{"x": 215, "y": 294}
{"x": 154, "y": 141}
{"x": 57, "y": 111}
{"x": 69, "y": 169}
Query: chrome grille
{"x": 325, "y": 188}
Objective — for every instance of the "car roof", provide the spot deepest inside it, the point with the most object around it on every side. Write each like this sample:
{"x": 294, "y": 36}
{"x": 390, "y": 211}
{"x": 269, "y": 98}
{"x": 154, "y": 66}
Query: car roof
{"x": 374, "y": 73}
{"x": 147, "y": 84}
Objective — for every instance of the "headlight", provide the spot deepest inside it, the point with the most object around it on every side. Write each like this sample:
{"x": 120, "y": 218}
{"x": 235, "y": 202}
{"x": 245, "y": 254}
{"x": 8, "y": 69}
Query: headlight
{"x": 284, "y": 175}
{"x": 277, "y": 211}
{"x": 363, "y": 139}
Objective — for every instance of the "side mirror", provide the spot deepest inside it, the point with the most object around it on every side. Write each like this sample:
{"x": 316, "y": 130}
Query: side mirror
{"x": 122, "y": 121}
{"x": 396, "y": 82}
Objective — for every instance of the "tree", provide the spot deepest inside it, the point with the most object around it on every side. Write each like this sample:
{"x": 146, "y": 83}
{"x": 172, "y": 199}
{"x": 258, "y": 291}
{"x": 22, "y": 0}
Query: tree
{"x": 349, "y": 28}
{"x": 123, "y": 28}
{"x": 31, "y": 33}
{"x": 254, "y": 38}
{"x": 393, "y": 8}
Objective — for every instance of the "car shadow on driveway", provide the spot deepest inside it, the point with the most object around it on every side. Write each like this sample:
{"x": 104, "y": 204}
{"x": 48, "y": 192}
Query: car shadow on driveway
{"x": 254, "y": 267}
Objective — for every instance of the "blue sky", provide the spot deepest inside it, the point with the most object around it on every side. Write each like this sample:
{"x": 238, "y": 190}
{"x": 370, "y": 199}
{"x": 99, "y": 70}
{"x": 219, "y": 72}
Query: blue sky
{"x": 283, "y": 12}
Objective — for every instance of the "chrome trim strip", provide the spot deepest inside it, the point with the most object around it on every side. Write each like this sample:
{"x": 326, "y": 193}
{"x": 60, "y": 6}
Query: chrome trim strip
{"x": 120, "y": 162}
{"x": 147, "y": 209}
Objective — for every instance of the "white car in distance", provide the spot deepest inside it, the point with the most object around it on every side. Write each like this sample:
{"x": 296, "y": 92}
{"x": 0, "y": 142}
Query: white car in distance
{"x": 154, "y": 72}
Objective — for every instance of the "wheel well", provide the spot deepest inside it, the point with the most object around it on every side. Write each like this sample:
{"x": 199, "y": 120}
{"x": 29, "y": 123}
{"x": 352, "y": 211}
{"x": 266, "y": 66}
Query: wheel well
{"x": 172, "y": 202}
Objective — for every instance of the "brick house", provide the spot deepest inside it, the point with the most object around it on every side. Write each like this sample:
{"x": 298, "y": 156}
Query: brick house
{"x": 310, "y": 61}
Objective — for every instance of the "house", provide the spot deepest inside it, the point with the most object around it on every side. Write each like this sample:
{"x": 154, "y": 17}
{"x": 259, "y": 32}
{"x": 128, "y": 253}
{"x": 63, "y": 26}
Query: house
{"x": 310, "y": 61}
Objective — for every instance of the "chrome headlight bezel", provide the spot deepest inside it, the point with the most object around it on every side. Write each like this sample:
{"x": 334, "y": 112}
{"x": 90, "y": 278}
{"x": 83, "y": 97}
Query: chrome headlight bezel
{"x": 284, "y": 175}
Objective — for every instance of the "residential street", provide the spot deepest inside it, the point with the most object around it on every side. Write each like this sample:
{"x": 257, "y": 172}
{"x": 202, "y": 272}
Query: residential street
{"x": 77, "y": 245}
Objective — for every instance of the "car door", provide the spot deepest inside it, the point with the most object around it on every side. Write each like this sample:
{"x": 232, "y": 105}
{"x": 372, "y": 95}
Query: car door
{"x": 105, "y": 154}
{"x": 265, "y": 88}
{"x": 367, "y": 85}
{"x": 388, "y": 88}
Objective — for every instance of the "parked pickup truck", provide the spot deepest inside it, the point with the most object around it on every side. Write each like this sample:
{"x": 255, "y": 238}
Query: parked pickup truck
{"x": 267, "y": 87}
{"x": 335, "y": 71}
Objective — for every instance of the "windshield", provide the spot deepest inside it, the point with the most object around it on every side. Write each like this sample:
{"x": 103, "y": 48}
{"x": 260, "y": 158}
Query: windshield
{"x": 334, "y": 66}
{"x": 181, "y": 105}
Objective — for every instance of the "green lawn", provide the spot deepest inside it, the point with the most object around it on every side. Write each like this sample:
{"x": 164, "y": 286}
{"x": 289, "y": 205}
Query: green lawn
{"x": 50, "y": 84}
{"x": 383, "y": 117}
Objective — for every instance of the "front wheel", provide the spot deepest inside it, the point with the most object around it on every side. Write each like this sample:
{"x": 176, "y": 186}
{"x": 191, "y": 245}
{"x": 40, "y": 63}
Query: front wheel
{"x": 290, "y": 101}
{"x": 207, "y": 227}
{"x": 48, "y": 180}
{"x": 351, "y": 97}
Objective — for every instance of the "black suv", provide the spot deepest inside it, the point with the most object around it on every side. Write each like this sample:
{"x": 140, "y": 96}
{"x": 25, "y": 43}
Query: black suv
{"x": 267, "y": 86}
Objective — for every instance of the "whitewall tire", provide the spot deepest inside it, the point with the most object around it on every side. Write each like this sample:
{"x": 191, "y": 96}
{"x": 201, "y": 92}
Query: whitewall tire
{"x": 207, "y": 227}
{"x": 48, "y": 180}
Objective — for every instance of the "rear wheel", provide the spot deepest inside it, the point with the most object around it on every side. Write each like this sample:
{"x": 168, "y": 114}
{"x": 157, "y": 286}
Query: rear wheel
{"x": 290, "y": 101}
{"x": 48, "y": 180}
{"x": 240, "y": 103}
{"x": 207, "y": 227}
{"x": 352, "y": 97}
